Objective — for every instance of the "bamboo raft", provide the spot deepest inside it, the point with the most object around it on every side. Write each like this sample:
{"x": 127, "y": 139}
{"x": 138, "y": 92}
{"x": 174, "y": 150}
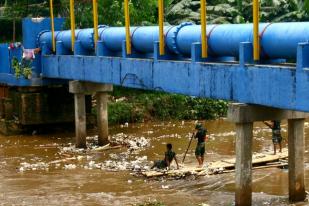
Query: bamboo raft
{"x": 259, "y": 161}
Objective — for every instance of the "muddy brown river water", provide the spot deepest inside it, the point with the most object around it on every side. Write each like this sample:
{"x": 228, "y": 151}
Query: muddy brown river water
{"x": 58, "y": 184}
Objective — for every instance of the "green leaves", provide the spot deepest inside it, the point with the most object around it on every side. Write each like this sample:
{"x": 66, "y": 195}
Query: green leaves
{"x": 306, "y": 6}
{"x": 111, "y": 12}
{"x": 131, "y": 105}
{"x": 238, "y": 11}
{"x": 22, "y": 68}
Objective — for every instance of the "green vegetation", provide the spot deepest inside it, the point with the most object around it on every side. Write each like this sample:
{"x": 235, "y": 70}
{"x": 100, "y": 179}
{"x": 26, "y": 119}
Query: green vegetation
{"x": 22, "y": 68}
{"x": 12, "y": 12}
{"x": 130, "y": 105}
{"x": 238, "y": 11}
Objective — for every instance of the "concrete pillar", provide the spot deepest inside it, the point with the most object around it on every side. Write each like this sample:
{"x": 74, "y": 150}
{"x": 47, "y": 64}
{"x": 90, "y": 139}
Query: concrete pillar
{"x": 296, "y": 160}
{"x": 80, "y": 89}
{"x": 243, "y": 166}
{"x": 243, "y": 115}
{"x": 80, "y": 120}
{"x": 102, "y": 117}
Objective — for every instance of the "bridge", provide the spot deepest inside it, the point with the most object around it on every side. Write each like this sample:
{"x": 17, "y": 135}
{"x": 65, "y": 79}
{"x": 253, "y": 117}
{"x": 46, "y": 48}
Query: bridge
{"x": 278, "y": 80}
{"x": 268, "y": 78}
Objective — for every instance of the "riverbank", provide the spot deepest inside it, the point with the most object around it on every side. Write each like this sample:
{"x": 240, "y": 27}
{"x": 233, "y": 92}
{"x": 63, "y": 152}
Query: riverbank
{"x": 136, "y": 106}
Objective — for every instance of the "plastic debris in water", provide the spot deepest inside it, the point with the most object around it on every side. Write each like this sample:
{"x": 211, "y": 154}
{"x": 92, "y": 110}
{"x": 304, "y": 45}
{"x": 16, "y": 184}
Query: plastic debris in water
{"x": 70, "y": 167}
{"x": 165, "y": 186}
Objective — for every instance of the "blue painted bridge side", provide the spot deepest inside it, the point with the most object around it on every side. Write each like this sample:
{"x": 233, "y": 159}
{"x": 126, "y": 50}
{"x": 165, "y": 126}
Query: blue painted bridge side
{"x": 283, "y": 87}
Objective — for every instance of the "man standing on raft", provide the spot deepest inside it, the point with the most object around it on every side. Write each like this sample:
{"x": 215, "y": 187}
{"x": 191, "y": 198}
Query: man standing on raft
{"x": 276, "y": 134}
{"x": 201, "y": 137}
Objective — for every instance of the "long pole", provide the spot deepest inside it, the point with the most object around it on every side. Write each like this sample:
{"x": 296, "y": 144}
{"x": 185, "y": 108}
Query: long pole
{"x": 51, "y": 6}
{"x": 203, "y": 29}
{"x": 256, "y": 38}
{"x": 184, "y": 157}
{"x": 95, "y": 21}
{"x": 127, "y": 24}
{"x": 72, "y": 16}
{"x": 161, "y": 27}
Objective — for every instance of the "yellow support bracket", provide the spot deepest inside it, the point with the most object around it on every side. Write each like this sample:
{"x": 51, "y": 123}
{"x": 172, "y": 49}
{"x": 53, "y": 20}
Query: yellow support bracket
{"x": 203, "y": 29}
{"x": 161, "y": 27}
{"x": 95, "y": 21}
{"x": 72, "y": 18}
{"x": 127, "y": 24}
{"x": 256, "y": 38}
{"x": 51, "y": 6}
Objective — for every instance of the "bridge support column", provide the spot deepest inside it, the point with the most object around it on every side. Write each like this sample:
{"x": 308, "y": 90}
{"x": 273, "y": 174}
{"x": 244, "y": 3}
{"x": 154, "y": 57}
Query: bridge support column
{"x": 102, "y": 117}
{"x": 80, "y": 89}
{"x": 243, "y": 166}
{"x": 296, "y": 160}
{"x": 80, "y": 120}
{"x": 243, "y": 116}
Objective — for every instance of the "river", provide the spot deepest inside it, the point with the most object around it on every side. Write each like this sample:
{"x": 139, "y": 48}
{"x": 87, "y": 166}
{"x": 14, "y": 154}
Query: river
{"x": 79, "y": 185}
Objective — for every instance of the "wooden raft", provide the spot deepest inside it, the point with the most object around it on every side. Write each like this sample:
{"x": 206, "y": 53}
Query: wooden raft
{"x": 259, "y": 160}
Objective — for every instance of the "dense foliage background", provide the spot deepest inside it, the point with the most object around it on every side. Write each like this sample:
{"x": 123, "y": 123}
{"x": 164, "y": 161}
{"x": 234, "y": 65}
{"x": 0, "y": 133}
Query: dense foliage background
{"x": 145, "y": 11}
{"x": 131, "y": 105}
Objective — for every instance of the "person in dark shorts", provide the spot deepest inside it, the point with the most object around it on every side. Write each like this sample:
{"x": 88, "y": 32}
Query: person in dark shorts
{"x": 201, "y": 137}
{"x": 170, "y": 155}
{"x": 275, "y": 126}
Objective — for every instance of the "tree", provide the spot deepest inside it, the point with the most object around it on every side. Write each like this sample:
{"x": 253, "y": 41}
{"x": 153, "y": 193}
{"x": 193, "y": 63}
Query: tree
{"x": 111, "y": 12}
{"x": 12, "y": 11}
{"x": 238, "y": 11}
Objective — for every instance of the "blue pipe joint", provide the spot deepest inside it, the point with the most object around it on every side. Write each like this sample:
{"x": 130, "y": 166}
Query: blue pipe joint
{"x": 86, "y": 38}
{"x": 172, "y": 39}
{"x": 45, "y": 36}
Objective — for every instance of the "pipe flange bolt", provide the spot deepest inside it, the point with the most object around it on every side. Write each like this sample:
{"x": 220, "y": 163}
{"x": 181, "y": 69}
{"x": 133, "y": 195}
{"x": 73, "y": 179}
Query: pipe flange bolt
{"x": 175, "y": 33}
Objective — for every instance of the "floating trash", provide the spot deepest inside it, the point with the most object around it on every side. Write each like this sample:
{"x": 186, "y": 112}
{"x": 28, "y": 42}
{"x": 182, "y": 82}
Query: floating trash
{"x": 70, "y": 166}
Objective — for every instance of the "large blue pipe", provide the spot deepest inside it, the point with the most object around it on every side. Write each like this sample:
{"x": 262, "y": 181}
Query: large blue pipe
{"x": 278, "y": 40}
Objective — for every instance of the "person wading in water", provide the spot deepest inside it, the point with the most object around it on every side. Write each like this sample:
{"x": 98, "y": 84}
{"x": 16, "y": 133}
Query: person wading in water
{"x": 201, "y": 137}
{"x": 276, "y": 131}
